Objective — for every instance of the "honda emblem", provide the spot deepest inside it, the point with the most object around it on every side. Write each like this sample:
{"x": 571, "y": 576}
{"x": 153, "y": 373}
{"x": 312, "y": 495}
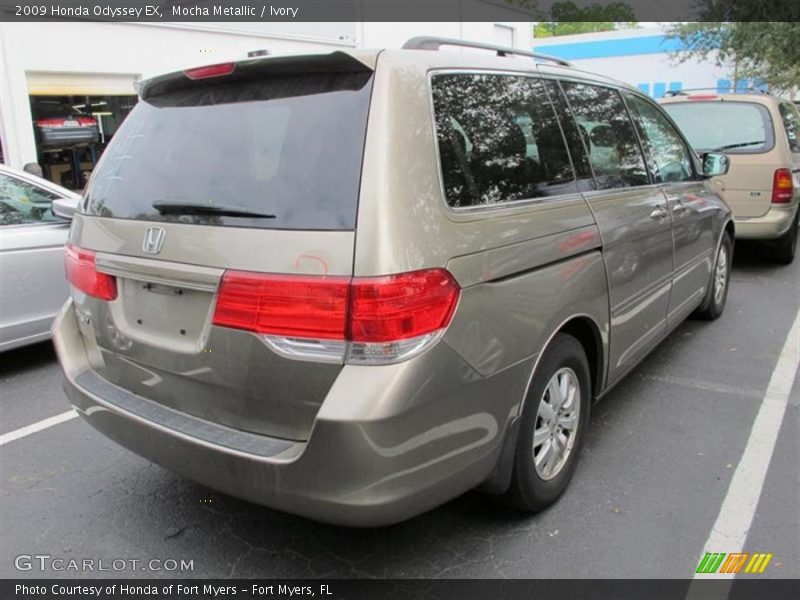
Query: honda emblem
{"x": 153, "y": 240}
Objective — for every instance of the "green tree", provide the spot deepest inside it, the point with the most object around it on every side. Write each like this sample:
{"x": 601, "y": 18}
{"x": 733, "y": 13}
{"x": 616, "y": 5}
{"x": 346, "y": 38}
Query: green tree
{"x": 567, "y": 18}
{"x": 737, "y": 33}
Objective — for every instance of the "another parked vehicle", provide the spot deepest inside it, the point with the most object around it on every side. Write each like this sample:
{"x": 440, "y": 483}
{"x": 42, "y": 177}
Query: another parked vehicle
{"x": 32, "y": 237}
{"x": 761, "y": 134}
{"x": 60, "y": 125}
{"x": 367, "y": 282}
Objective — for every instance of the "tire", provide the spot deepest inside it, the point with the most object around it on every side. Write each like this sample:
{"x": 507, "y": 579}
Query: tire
{"x": 533, "y": 487}
{"x": 786, "y": 247}
{"x": 714, "y": 304}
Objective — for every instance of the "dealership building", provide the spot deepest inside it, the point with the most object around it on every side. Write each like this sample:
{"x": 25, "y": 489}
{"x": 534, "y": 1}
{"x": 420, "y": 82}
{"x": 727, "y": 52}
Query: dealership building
{"x": 90, "y": 68}
{"x": 644, "y": 57}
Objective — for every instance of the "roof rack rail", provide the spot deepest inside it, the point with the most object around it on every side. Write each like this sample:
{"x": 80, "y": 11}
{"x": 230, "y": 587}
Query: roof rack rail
{"x": 683, "y": 92}
{"x": 434, "y": 43}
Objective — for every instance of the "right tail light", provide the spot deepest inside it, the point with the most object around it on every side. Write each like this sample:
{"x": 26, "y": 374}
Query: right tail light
{"x": 361, "y": 320}
{"x": 782, "y": 187}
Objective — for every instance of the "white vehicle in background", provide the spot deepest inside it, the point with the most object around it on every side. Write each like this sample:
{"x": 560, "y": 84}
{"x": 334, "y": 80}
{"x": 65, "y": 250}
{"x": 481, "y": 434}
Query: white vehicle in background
{"x": 32, "y": 282}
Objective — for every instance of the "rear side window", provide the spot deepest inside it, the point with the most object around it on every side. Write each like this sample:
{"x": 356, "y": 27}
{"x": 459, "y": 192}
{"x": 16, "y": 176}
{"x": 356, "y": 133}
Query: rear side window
{"x": 730, "y": 126}
{"x": 277, "y": 152}
{"x": 499, "y": 140}
{"x": 608, "y": 134}
{"x": 791, "y": 123}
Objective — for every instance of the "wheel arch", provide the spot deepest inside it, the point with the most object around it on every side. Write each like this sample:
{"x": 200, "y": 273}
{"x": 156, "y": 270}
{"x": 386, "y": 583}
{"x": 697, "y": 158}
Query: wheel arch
{"x": 584, "y": 329}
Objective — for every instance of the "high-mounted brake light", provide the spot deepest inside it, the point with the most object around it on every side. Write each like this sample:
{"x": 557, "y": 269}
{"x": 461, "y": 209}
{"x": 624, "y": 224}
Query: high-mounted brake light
{"x": 782, "y": 187}
{"x": 79, "y": 265}
{"x": 210, "y": 71}
{"x": 703, "y": 97}
{"x": 373, "y": 320}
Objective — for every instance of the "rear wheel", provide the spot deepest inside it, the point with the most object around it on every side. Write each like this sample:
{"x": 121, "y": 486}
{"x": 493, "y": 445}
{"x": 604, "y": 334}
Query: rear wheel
{"x": 787, "y": 246}
{"x": 554, "y": 418}
{"x": 714, "y": 304}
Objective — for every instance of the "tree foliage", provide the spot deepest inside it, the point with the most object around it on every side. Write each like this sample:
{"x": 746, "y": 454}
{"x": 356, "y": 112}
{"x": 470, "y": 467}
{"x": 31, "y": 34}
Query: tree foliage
{"x": 567, "y": 18}
{"x": 731, "y": 34}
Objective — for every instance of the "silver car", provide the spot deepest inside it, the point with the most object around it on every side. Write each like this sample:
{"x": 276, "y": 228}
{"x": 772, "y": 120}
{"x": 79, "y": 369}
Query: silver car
{"x": 355, "y": 285}
{"x": 32, "y": 237}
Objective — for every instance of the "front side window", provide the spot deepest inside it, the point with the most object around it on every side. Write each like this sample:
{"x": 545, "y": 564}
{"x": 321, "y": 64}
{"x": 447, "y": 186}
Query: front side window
{"x": 499, "y": 140}
{"x": 791, "y": 123}
{"x": 614, "y": 151}
{"x": 22, "y": 203}
{"x": 671, "y": 159}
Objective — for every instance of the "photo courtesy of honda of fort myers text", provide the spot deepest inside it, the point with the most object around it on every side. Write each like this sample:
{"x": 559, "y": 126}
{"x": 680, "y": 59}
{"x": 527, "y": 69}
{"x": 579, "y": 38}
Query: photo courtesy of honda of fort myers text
{"x": 380, "y": 299}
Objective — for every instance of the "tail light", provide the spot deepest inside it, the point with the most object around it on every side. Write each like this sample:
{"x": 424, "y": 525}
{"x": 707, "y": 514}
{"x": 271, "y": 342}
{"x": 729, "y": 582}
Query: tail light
{"x": 363, "y": 320}
{"x": 79, "y": 265}
{"x": 59, "y": 122}
{"x": 782, "y": 187}
{"x": 291, "y": 306}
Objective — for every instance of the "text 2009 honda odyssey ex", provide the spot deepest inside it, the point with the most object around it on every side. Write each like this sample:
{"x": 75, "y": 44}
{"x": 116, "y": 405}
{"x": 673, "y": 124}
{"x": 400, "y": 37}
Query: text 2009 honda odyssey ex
{"x": 355, "y": 285}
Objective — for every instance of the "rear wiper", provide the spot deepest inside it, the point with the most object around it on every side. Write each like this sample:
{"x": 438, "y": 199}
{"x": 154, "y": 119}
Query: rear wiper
{"x": 739, "y": 145}
{"x": 201, "y": 208}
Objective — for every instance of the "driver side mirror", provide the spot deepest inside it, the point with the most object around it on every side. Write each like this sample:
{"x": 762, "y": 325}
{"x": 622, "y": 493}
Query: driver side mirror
{"x": 715, "y": 163}
{"x": 64, "y": 208}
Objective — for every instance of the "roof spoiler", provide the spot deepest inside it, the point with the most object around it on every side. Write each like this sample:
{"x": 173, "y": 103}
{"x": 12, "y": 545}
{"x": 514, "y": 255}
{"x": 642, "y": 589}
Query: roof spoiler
{"x": 334, "y": 62}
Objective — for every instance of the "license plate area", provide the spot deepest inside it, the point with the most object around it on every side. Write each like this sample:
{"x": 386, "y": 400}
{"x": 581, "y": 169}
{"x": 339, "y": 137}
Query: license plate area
{"x": 162, "y": 315}
{"x": 71, "y": 123}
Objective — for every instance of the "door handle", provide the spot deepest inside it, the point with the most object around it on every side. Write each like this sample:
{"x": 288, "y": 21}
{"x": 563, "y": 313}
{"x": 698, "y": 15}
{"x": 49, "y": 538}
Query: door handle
{"x": 678, "y": 207}
{"x": 659, "y": 214}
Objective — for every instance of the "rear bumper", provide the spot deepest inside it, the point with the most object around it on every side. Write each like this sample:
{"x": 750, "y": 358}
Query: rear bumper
{"x": 770, "y": 226}
{"x": 373, "y": 458}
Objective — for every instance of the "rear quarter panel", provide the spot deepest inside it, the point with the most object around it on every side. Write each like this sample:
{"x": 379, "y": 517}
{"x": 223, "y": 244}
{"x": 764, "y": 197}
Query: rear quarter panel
{"x": 523, "y": 270}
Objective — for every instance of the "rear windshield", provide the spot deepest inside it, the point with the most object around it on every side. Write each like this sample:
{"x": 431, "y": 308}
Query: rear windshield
{"x": 733, "y": 127}
{"x": 279, "y": 152}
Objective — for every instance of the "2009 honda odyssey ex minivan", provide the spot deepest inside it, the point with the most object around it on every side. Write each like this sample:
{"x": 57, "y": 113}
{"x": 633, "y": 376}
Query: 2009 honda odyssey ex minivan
{"x": 355, "y": 285}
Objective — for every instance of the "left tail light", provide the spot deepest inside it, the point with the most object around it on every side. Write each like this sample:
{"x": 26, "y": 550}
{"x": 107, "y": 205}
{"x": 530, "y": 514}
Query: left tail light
{"x": 79, "y": 265}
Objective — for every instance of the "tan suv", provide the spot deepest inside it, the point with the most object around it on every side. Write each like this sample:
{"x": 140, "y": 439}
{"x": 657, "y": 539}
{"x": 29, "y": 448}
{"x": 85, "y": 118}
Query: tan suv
{"x": 356, "y": 285}
{"x": 761, "y": 135}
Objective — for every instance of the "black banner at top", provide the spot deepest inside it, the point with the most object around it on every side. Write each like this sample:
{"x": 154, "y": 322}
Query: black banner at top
{"x": 394, "y": 10}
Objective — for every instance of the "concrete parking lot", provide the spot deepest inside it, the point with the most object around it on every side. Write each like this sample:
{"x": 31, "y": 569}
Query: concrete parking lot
{"x": 661, "y": 453}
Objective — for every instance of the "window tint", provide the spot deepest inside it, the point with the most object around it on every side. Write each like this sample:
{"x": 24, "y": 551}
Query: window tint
{"x": 734, "y": 127}
{"x": 284, "y": 145}
{"x": 608, "y": 135}
{"x": 791, "y": 123}
{"x": 671, "y": 159}
{"x": 572, "y": 135}
{"x": 499, "y": 140}
{"x": 23, "y": 203}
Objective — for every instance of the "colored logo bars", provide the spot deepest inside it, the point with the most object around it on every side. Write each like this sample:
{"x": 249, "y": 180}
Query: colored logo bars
{"x": 720, "y": 562}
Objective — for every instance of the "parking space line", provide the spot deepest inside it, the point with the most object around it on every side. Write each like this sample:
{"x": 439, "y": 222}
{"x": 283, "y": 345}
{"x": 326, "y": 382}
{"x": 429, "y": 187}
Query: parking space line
{"x": 739, "y": 506}
{"x": 38, "y": 426}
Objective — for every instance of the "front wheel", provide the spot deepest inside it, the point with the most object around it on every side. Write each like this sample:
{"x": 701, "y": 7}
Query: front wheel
{"x": 717, "y": 296}
{"x": 554, "y": 419}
